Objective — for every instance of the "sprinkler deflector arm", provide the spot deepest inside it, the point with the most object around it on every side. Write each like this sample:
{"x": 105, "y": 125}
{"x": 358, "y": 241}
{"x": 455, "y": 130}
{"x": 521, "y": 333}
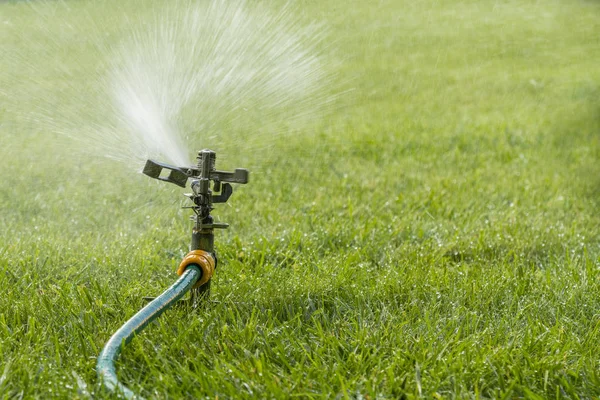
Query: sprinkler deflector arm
{"x": 180, "y": 175}
{"x": 105, "y": 365}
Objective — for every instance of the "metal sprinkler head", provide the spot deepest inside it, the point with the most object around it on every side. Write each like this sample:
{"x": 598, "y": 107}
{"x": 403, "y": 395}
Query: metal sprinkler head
{"x": 209, "y": 186}
{"x": 201, "y": 176}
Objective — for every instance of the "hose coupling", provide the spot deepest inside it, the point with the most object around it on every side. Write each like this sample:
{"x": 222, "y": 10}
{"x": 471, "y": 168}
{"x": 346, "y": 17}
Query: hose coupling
{"x": 201, "y": 258}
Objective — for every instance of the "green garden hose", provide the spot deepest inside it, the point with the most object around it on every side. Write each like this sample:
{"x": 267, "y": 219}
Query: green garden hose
{"x": 105, "y": 366}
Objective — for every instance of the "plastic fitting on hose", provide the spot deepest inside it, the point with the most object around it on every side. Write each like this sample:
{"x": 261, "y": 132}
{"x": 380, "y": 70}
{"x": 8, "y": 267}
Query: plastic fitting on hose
{"x": 202, "y": 259}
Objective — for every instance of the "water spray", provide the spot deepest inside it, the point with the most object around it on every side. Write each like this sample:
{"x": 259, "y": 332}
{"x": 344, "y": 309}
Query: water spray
{"x": 209, "y": 186}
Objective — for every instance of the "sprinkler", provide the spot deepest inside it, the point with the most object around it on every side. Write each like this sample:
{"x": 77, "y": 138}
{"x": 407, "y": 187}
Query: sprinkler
{"x": 203, "y": 198}
{"x": 209, "y": 186}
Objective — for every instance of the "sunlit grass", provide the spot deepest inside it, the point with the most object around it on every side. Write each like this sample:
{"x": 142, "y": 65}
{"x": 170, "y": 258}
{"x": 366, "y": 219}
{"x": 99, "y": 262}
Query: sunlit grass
{"x": 434, "y": 237}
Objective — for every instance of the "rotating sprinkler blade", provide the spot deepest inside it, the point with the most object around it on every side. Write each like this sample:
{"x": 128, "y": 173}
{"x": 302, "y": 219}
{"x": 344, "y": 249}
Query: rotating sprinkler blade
{"x": 180, "y": 175}
{"x": 176, "y": 175}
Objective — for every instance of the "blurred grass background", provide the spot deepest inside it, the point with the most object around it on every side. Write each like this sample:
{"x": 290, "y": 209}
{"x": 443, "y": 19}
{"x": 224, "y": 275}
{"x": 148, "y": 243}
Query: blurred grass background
{"x": 435, "y": 236}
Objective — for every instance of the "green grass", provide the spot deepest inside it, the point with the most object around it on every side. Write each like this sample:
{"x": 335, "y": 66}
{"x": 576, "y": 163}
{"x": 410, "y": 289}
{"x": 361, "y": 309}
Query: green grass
{"x": 435, "y": 237}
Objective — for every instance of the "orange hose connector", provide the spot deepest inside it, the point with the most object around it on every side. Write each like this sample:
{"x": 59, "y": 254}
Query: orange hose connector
{"x": 201, "y": 258}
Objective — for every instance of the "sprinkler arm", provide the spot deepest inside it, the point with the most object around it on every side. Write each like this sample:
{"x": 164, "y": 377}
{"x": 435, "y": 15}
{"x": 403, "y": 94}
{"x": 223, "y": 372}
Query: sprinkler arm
{"x": 180, "y": 175}
{"x": 177, "y": 175}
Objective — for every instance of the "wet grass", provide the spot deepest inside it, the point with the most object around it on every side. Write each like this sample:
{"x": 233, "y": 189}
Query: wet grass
{"x": 436, "y": 237}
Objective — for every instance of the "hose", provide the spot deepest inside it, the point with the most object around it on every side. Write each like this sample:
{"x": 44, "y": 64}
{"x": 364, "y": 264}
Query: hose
{"x": 105, "y": 366}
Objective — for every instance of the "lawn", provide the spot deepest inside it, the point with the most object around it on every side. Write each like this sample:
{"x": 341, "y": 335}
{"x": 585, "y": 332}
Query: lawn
{"x": 433, "y": 234}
